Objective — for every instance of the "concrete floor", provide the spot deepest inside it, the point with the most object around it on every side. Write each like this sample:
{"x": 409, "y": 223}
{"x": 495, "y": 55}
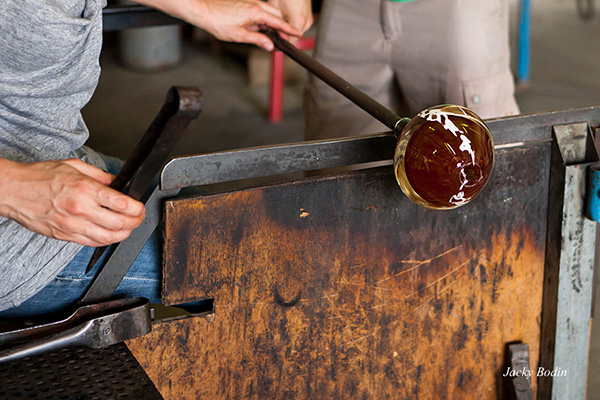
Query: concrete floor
{"x": 565, "y": 73}
{"x": 233, "y": 115}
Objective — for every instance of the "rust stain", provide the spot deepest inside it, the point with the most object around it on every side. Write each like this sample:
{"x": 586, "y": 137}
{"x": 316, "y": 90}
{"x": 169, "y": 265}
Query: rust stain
{"x": 441, "y": 339}
{"x": 362, "y": 327}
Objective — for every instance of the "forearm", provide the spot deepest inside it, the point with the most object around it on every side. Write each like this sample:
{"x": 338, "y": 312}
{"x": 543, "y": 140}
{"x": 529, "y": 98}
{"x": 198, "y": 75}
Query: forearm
{"x": 228, "y": 20}
{"x": 7, "y": 172}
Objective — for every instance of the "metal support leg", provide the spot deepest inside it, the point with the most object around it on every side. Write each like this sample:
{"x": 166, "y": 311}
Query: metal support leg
{"x": 569, "y": 272}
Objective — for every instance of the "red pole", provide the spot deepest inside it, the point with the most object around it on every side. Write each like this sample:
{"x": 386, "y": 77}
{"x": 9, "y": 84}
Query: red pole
{"x": 276, "y": 94}
{"x": 277, "y": 79}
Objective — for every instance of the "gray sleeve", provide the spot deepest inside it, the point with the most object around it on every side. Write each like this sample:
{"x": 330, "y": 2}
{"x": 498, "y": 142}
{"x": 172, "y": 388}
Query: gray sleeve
{"x": 49, "y": 68}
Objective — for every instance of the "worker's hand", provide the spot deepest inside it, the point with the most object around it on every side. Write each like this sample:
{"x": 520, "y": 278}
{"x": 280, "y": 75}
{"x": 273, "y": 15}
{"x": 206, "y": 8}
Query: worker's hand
{"x": 67, "y": 200}
{"x": 297, "y": 13}
{"x": 229, "y": 20}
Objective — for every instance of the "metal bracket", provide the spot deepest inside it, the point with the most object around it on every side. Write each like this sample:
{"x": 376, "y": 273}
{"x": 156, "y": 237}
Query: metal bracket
{"x": 519, "y": 372}
{"x": 570, "y": 264}
{"x": 576, "y": 143}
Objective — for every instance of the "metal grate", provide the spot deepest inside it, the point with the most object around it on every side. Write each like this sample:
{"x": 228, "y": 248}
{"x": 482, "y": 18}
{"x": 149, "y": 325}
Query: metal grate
{"x": 77, "y": 374}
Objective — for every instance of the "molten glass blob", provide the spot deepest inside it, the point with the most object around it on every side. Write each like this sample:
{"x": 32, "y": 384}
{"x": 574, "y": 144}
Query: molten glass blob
{"x": 444, "y": 157}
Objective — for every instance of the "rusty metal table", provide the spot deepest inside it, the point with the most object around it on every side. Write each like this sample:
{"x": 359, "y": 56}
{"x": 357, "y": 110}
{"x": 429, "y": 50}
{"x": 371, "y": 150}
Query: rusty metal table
{"x": 337, "y": 286}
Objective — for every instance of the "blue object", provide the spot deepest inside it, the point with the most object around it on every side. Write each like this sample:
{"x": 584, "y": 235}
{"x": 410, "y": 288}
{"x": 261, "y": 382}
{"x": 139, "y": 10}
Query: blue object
{"x": 593, "y": 195}
{"x": 524, "y": 36}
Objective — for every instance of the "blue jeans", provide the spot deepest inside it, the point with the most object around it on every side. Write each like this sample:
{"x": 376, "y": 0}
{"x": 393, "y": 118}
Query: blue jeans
{"x": 143, "y": 278}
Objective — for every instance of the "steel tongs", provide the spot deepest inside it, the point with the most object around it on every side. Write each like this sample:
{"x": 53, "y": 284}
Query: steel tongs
{"x": 94, "y": 326}
{"x": 99, "y": 323}
{"x": 182, "y": 105}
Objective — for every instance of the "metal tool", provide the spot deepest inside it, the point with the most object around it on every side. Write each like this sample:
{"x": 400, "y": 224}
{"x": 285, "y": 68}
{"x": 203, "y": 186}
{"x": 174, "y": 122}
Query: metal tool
{"x": 232, "y": 165}
{"x": 519, "y": 372}
{"x": 93, "y": 326}
{"x": 97, "y": 322}
{"x": 182, "y": 105}
{"x": 120, "y": 260}
{"x": 368, "y": 104}
{"x": 446, "y": 182}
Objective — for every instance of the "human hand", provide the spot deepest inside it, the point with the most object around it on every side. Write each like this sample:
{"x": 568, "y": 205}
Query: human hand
{"x": 298, "y": 13}
{"x": 229, "y": 20}
{"x": 67, "y": 200}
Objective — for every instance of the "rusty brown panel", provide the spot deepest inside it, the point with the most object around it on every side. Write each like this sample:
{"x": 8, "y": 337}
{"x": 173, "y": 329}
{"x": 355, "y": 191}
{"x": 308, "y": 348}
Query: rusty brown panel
{"x": 341, "y": 288}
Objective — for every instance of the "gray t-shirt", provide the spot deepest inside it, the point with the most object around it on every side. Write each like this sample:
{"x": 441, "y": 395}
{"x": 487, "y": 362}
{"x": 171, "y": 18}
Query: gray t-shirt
{"x": 49, "y": 68}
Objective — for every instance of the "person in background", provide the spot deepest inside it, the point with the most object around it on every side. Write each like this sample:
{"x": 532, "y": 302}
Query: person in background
{"x": 55, "y": 202}
{"x": 410, "y": 55}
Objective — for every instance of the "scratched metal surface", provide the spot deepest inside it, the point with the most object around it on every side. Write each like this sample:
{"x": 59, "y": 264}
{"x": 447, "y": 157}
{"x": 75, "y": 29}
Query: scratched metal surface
{"x": 225, "y": 166}
{"x": 340, "y": 287}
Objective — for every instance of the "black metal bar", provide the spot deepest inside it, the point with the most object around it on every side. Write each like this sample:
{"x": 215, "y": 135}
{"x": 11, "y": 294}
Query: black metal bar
{"x": 368, "y": 104}
{"x": 125, "y": 253}
{"x": 521, "y": 128}
{"x": 182, "y": 105}
{"x": 233, "y": 165}
{"x": 116, "y": 18}
{"x": 518, "y": 373}
{"x": 256, "y": 162}
{"x": 94, "y": 326}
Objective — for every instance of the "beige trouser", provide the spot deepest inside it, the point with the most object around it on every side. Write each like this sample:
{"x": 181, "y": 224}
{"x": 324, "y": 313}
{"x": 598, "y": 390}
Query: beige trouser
{"x": 410, "y": 56}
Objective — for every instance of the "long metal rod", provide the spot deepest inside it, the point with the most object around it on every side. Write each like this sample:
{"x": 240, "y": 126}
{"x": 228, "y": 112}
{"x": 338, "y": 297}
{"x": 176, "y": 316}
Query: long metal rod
{"x": 182, "y": 105}
{"x": 368, "y": 104}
